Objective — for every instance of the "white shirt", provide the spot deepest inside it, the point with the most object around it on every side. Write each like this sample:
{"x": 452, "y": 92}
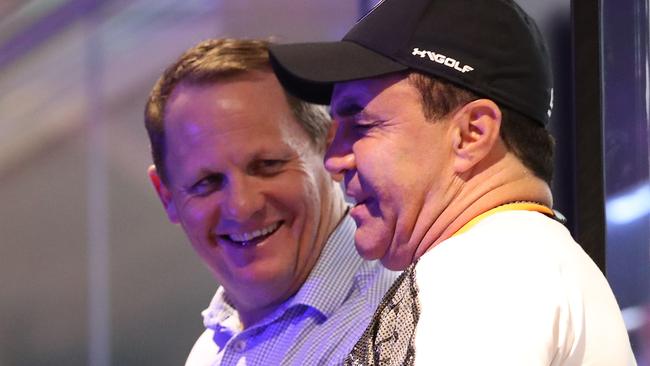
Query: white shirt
{"x": 517, "y": 290}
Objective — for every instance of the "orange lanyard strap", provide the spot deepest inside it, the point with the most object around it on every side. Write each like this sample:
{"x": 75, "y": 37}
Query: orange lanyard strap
{"x": 527, "y": 206}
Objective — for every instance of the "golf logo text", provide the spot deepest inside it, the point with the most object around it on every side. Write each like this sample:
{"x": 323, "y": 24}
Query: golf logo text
{"x": 442, "y": 59}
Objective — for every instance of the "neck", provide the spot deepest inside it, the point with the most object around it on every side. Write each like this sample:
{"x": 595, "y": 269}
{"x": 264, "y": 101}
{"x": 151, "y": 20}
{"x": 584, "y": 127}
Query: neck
{"x": 484, "y": 188}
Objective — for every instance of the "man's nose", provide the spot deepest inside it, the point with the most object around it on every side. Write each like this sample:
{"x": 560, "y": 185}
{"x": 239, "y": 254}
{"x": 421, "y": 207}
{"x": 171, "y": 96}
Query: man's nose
{"x": 243, "y": 199}
{"x": 339, "y": 157}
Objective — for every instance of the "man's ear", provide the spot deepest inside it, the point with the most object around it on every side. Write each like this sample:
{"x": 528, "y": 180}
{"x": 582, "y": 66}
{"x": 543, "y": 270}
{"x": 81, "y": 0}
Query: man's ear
{"x": 331, "y": 133}
{"x": 476, "y": 132}
{"x": 164, "y": 194}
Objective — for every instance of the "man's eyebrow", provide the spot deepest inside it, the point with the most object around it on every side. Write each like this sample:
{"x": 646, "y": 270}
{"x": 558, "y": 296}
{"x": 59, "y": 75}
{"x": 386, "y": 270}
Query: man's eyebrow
{"x": 347, "y": 107}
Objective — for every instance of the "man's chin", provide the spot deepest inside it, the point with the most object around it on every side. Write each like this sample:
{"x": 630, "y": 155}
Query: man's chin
{"x": 367, "y": 247}
{"x": 371, "y": 246}
{"x": 395, "y": 263}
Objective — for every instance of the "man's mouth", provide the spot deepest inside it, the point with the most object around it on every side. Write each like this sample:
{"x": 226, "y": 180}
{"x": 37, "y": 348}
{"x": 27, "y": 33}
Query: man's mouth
{"x": 363, "y": 201}
{"x": 364, "y": 208}
{"x": 251, "y": 238}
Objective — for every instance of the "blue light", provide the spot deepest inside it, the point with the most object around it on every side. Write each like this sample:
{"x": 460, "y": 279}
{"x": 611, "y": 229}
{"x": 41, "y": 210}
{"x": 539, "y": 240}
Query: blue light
{"x": 630, "y": 206}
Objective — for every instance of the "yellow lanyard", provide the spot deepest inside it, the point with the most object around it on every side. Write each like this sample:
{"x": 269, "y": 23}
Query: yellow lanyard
{"x": 527, "y": 206}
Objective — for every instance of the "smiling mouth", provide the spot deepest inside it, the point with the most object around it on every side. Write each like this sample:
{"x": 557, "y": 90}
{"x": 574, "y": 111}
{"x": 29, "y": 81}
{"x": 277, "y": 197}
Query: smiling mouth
{"x": 363, "y": 202}
{"x": 251, "y": 238}
{"x": 365, "y": 207}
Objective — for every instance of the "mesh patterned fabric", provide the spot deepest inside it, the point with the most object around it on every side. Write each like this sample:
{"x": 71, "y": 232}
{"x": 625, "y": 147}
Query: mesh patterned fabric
{"x": 389, "y": 339}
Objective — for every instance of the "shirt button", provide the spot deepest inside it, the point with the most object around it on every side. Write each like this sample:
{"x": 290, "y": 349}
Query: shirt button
{"x": 240, "y": 346}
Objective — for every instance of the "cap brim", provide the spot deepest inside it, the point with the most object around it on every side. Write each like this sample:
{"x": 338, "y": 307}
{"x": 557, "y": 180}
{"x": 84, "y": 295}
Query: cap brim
{"x": 309, "y": 70}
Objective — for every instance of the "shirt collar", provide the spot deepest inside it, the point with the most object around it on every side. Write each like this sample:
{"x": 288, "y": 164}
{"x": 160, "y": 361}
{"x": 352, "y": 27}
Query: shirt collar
{"x": 220, "y": 313}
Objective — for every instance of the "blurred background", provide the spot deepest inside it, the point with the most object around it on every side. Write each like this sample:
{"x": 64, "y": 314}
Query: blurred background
{"x": 91, "y": 271}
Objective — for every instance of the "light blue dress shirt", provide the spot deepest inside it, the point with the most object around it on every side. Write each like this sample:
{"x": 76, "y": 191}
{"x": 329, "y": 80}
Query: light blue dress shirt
{"x": 317, "y": 326}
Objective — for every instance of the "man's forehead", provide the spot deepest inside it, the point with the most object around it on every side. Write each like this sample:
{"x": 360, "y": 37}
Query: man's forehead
{"x": 369, "y": 85}
{"x": 356, "y": 94}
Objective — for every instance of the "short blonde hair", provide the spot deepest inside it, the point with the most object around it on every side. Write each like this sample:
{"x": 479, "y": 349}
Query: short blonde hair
{"x": 208, "y": 62}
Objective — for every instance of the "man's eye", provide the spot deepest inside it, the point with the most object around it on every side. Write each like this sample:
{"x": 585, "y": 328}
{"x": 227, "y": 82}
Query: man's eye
{"x": 362, "y": 127}
{"x": 268, "y": 166}
{"x": 208, "y": 185}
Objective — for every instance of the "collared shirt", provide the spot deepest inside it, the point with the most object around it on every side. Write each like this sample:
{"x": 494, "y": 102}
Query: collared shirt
{"x": 317, "y": 326}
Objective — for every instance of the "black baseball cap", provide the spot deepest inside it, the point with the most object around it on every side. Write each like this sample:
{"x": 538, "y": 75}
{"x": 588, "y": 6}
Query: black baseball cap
{"x": 491, "y": 47}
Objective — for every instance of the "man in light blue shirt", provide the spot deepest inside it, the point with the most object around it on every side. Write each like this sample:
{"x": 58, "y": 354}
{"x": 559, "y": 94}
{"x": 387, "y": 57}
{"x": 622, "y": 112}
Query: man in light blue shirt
{"x": 239, "y": 164}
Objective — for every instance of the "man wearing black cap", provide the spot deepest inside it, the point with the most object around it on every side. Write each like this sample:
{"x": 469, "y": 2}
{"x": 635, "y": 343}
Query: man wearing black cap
{"x": 441, "y": 108}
